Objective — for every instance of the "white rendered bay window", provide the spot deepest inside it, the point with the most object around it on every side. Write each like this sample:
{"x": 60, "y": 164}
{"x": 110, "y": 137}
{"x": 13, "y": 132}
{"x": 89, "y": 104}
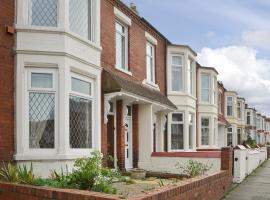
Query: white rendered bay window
{"x": 229, "y": 106}
{"x": 80, "y": 17}
{"x": 190, "y": 76}
{"x": 80, "y": 113}
{"x": 177, "y": 131}
{"x": 229, "y": 136}
{"x": 177, "y": 73}
{"x": 42, "y": 101}
{"x": 205, "y": 130}
{"x": 191, "y": 130}
{"x": 43, "y": 12}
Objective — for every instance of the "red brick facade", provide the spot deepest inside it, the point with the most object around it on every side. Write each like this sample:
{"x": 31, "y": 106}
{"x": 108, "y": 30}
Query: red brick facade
{"x": 7, "y": 8}
{"x": 136, "y": 63}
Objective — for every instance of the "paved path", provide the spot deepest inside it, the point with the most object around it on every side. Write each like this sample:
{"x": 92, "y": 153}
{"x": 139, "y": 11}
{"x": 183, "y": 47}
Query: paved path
{"x": 255, "y": 187}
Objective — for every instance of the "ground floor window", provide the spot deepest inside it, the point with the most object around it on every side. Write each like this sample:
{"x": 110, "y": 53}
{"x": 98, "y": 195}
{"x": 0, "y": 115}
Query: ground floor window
{"x": 215, "y": 138}
{"x": 229, "y": 136}
{"x": 177, "y": 131}
{"x": 80, "y": 113}
{"x": 205, "y": 128}
{"x": 41, "y": 103}
{"x": 191, "y": 129}
{"x": 238, "y": 136}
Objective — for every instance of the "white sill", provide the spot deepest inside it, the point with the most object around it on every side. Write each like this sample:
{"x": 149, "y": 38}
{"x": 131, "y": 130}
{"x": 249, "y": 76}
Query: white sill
{"x": 151, "y": 84}
{"x": 124, "y": 71}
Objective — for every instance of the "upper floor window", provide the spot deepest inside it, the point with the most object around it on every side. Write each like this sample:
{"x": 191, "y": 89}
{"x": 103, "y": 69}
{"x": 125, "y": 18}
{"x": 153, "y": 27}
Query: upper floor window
{"x": 220, "y": 103}
{"x": 239, "y": 111}
{"x": 214, "y": 90}
{"x": 205, "y": 128}
{"x": 41, "y": 108}
{"x": 80, "y": 113}
{"x": 80, "y": 17}
{"x": 190, "y": 76}
{"x": 248, "y": 118}
{"x": 42, "y": 12}
{"x": 177, "y": 131}
{"x": 121, "y": 46}
{"x": 229, "y": 106}
{"x": 205, "y": 88}
{"x": 150, "y": 62}
{"x": 177, "y": 73}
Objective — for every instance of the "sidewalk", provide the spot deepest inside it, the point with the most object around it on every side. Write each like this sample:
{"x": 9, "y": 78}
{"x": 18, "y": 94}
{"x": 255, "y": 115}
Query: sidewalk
{"x": 255, "y": 187}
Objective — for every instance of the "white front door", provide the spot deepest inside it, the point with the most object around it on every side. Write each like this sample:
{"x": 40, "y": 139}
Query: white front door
{"x": 128, "y": 143}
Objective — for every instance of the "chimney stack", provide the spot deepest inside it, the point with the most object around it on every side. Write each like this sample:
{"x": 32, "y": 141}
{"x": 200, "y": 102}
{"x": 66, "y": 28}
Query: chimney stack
{"x": 133, "y": 7}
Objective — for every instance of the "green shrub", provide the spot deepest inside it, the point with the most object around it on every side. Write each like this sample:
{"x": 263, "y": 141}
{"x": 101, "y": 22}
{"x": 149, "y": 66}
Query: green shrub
{"x": 193, "y": 168}
{"x": 252, "y": 143}
{"x": 90, "y": 175}
{"x": 9, "y": 173}
{"x": 25, "y": 175}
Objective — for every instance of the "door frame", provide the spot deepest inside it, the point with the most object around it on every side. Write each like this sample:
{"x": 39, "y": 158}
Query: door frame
{"x": 130, "y": 141}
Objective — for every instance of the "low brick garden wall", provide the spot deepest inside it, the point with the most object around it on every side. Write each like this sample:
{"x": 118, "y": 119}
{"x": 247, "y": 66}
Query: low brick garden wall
{"x": 208, "y": 187}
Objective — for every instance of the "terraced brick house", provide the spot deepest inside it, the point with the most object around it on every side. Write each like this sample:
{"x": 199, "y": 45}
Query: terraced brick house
{"x": 222, "y": 122}
{"x": 231, "y": 117}
{"x": 134, "y": 102}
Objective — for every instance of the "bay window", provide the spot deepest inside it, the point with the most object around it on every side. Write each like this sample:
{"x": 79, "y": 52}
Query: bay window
{"x": 205, "y": 128}
{"x": 121, "y": 46}
{"x": 248, "y": 118}
{"x": 150, "y": 62}
{"x": 177, "y": 73}
{"x": 229, "y": 106}
{"x": 80, "y": 113}
{"x": 214, "y": 90}
{"x": 215, "y": 138}
{"x": 80, "y": 17}
{"x": 205, "y": 88}
{"x": 177, "y": 131}
{"x": 190, "y": 76}
{"x": 42, "y": 12}
{"x": 220, "y": 103}
{"x": 191, "y": 129}
{"x": 229, "y": 136}
{"x": 41, "y": 108}
{"x": 239, "y": 114}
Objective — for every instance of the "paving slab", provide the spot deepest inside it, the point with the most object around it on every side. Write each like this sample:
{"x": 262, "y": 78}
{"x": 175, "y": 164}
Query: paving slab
{"x": 254, "y": 187}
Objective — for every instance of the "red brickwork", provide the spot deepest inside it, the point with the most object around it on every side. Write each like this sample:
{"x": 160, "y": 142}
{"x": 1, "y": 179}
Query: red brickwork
{"x": 136, "y": 56}
{"x": 120, "y": 135}
{"x": 7, "y": 8}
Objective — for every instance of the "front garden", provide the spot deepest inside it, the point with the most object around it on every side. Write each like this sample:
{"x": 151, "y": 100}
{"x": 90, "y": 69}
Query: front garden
{"x": 88, "y": 174}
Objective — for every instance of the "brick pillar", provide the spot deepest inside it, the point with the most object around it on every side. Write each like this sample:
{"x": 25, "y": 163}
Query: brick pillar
{"x": 226, "y": 159}
{"x": 120, "y": 135}
{"x": 135, "y": 134}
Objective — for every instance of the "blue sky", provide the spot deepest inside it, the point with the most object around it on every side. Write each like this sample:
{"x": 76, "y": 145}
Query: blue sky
{"x": 231, "y": 35}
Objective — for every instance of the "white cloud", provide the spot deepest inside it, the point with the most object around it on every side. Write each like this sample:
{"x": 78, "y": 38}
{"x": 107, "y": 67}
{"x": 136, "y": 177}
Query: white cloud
{"x": 240, "y": 70}
{"x": 258, "y": 38}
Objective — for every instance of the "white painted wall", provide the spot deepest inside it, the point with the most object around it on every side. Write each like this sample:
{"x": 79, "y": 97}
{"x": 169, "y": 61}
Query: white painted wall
{"x": 169, "y": 164}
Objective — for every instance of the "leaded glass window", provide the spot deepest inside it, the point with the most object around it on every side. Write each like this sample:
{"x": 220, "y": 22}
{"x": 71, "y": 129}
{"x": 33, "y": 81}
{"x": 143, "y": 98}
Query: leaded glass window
{"x": 42, "y": 12}
{"x": 80, "y": 113}
{"x": 80, "y": 17}
{"x": 41, "y": 110}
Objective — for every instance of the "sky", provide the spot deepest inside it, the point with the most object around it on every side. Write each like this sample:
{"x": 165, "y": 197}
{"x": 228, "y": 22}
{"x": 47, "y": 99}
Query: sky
{"x": 231, "y": 35}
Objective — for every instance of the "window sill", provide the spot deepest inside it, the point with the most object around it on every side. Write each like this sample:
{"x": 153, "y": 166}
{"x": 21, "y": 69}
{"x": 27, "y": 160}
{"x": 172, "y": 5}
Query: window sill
{"x": 194, "y": 154}
{"x": 151, "y": 84}
{"x": 172, "y": 93}
{"x": 124, "y": 71}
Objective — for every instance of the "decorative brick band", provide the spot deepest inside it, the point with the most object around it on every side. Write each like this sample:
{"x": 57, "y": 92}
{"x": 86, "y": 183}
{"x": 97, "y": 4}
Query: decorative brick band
{"x": 199, "y": 154}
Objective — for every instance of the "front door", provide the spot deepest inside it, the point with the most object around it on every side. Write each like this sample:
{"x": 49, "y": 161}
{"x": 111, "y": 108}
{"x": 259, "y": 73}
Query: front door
{"x": 128, "y": 141}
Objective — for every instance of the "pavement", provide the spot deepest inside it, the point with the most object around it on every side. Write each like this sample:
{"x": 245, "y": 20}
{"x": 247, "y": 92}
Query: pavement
{"x": 254, "y": 187}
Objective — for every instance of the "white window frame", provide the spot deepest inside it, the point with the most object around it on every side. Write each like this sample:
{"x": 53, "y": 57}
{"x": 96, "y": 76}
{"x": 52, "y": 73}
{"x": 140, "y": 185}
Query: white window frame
{"x": 228, "y": 105}
{"x": 84, "y": 96}
{"x": 125, "y": 35}
{"x": 239, "y": 106}
{"x": 181, "y": 68}
{"x": 152, "y": 58}
{"x": 214, "y": 81}
{"x": 209, "y": 127}
{"x": 206, "y": 89}
{"x": 193, "y": 129}
{"x": 170, "y": 132}
{"x": 220, "y": 102}
{"x": 215, "y": 136}
{"x": 227, "y": 132}
{"x": 248, "y": 116}
{"x": 29, "y": 22}
{"x": 190, "y": 76}
{"x": 53, "y": 90}
{"x": 90, "y": 26}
